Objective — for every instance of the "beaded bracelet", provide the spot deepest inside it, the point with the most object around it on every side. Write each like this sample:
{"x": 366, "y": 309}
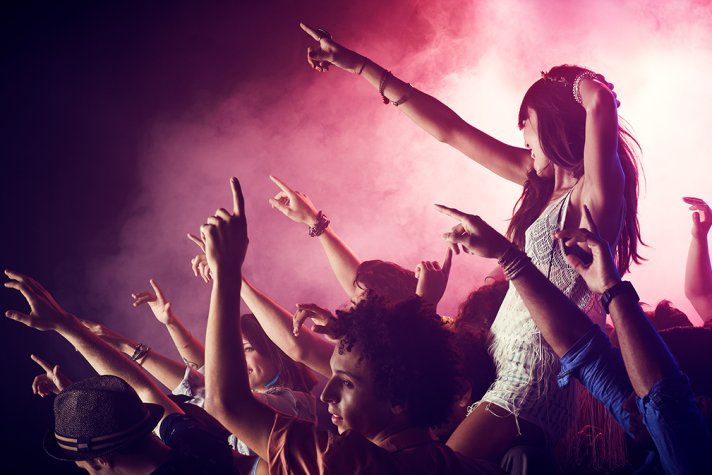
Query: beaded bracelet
{"x": 322, "y": 222}
{"x": 382, "y": 86}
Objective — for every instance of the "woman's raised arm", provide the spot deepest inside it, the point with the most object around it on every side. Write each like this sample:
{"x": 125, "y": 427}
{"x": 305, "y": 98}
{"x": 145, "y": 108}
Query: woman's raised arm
{"x": 511, "y": 163}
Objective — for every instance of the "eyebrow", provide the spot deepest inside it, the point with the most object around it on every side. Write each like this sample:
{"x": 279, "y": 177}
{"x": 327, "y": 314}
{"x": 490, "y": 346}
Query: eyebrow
{"x": 350, "y": 375}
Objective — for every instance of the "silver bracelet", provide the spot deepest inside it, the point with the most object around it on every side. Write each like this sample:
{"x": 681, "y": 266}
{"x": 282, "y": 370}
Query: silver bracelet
{"x": 577, "y": 83}
{"x": 513, "y": 262}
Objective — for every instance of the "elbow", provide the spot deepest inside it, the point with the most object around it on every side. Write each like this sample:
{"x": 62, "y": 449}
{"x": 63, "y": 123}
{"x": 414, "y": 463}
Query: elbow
{"x": 216, "y": 407}
{"x": 296, "y": 352}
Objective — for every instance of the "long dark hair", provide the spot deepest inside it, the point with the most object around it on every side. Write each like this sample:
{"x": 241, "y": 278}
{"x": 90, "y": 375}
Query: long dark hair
{"x": 292, "y": 375}
{"x": 562, "y": 133}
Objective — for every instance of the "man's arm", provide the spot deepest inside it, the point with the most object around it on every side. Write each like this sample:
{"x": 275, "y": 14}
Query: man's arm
{"x": 228, "y": 395}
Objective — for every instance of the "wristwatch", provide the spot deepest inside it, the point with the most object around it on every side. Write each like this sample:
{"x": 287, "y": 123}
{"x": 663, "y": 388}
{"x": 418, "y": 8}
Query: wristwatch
{"x": 622, "y": 287}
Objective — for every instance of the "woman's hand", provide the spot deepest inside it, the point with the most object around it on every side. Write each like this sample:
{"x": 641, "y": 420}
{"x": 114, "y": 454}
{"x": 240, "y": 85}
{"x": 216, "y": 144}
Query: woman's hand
{"x": 701, "y": 217}
{"x": 327, "y": 52}
{"x": 199, "y": 263}
{"x": 474, "y": 235}
{"x": 52, "y": 382}
{"x": 293, "y": 204}
{"x": 157, "y": 301}
{"x": 432, "y": 278}
{"x": 320, "y": 316}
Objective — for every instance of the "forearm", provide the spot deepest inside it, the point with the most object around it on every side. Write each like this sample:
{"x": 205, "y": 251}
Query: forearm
{"x": 647, "y": 359}
{"x": 698, "y": 277}
{"x": 106, "y": 359}
{"x": 342, "y": 259}
{"x": 166, "y": 370}
{"x": 437, "y": 119}
{"x": 190, "y": 348}
{"x": 277, "y": 322}
{"x": 228, "y": 394}
{"x": 559, "y": 320}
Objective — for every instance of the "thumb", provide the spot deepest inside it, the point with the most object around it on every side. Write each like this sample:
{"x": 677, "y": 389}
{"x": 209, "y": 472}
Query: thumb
{"x": 279, "y": 206}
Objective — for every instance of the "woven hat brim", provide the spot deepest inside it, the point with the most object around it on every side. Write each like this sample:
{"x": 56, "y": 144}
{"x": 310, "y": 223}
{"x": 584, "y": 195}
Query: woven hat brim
{"x": 55, "y": 451}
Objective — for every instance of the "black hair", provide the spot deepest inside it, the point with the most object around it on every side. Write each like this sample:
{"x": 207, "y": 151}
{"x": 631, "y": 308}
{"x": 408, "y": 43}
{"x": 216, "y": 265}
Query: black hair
{"x": 409, "y": 351}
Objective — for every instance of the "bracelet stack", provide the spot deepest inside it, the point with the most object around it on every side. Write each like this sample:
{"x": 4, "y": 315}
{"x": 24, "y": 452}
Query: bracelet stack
{"x": 140, "y": 351}
{"x": 322, "y": 222}
{"x": 513, "y": 262}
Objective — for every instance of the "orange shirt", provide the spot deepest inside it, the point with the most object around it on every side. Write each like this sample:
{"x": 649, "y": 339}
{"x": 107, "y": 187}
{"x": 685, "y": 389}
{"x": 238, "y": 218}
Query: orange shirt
{"x": 298, "y": 447}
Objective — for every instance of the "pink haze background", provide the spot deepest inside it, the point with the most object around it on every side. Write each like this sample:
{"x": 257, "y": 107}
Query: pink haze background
{"x": 377, "y": 175}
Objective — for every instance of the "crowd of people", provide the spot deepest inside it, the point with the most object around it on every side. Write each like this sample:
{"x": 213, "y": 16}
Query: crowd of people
{"x": 527, "y": 378}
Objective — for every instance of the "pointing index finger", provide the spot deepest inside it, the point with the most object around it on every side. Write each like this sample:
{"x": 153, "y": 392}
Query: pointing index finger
{"x": 43, "y": 364}
{"x": 282, "y": 186}
{"x": 310, "y": 31}
{"x": 452, "y": 212}
{"x": 238, "y": 201}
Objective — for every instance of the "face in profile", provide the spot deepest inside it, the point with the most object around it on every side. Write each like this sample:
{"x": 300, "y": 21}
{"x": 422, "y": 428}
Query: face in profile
{"x": 260, "y": 369}
{"x": 541, "y": 164}
{"x": 352, "y": 398}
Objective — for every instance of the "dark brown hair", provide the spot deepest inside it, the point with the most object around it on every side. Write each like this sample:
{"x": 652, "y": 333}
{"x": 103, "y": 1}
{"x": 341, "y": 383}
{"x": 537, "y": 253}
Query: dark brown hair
{"x": 562, "y": 133}
{"x": 386, "y": 279}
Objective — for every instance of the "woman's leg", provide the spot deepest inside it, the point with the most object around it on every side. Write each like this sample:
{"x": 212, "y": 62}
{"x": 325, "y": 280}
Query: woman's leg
{"x": 490, "y": 430}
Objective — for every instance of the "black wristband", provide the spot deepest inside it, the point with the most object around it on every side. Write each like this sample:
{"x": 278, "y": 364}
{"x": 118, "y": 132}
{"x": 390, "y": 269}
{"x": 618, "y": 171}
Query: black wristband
{"x": 622, "y": 287}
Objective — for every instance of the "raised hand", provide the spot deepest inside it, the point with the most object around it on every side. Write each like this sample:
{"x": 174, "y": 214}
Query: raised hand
{"x": 601, "y": 273}
{"x": 199, "y": 263}
{"x": 293, "y": 204}
{"x": 473, "y": 234}
{"x": 701, "y": 216}
{"x": 328, "y": 52}
{"x": 52, "y": 382}
{"x": 432, "y": 278}
{"x": 45, "y": 313}
{"x": 157, "y": 301}
{"x": 225, "y": 237}
{"x": 321, "y": 317}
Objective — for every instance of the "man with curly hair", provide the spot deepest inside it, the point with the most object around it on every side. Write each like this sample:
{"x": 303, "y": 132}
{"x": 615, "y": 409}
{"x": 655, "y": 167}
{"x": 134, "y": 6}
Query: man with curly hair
{"x": 393, "y": 376}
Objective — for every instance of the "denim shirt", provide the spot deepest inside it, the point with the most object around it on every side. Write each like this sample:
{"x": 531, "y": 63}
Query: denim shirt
{"x": 669, "y": 411}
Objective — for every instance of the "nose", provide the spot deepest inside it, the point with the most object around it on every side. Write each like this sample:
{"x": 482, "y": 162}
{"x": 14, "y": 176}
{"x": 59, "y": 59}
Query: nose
{"x": 330, "y": 393}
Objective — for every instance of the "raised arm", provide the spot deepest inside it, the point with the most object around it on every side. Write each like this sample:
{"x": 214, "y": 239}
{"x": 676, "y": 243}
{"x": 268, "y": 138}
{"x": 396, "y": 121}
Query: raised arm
{"x": 305, "y": 347}
{"x": 560, "y": 321}
{"x": 166, "y": 370}
{"x": 189, "y": 347}
{"x": 46, "y": 314}
{"x": 511, "y": 163}
{"x": 603, "y": 179}
{"x": 698, "y": 272}
{"x": 227, "y": 389}
{"x": 299, "y": 208}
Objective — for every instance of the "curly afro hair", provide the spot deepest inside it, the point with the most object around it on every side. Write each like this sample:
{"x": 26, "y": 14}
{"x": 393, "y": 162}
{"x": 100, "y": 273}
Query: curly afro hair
{"x": 410, "y": 353}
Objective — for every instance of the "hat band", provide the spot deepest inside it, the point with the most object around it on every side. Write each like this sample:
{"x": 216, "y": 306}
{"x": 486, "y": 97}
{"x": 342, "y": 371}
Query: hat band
{"x": 85, "y": 444}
